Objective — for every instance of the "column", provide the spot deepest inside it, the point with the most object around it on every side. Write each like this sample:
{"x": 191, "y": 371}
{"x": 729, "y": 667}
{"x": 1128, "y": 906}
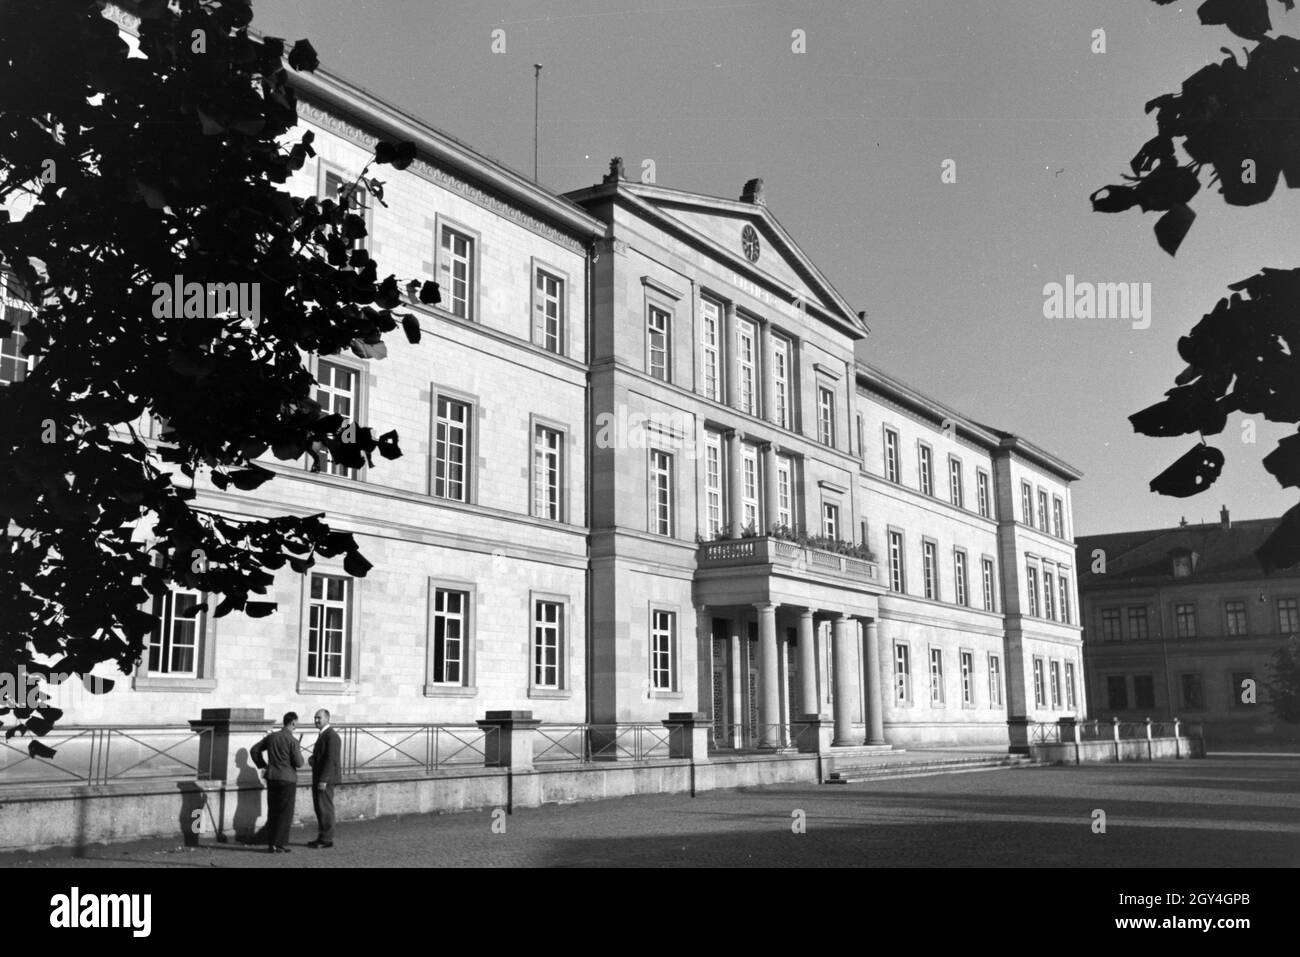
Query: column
{"x": 727, "y": 361}
{"x": 762, "y": 368}
{"x": 739, "y": 665}
{"x": 735, "y": 485}
{"x": 875, "y": 693}
{"x": 769, "y": 677}
{"x": 769, "y": 486}
{"x": 808, "y": 664}
{"x": 843, "y": 682}
{"x": 704, "y": 658}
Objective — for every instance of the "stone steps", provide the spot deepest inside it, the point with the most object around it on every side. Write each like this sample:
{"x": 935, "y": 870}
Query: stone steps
{"x": 889, "y": 770}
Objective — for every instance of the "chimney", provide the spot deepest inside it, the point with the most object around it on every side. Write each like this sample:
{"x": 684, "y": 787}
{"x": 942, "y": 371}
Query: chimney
{"x": 1182, "y": 522}
{"x": 753, "y": 193}
{"x": 1224, "y": 520}
{"x": 615, "y": 171}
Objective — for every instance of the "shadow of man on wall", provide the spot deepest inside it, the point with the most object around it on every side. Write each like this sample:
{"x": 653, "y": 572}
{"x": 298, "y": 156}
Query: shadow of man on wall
{"x": 248, "y": 801}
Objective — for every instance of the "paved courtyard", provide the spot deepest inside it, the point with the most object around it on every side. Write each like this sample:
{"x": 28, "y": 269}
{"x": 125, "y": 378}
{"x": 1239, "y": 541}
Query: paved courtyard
{"x": 1230, "y": 811}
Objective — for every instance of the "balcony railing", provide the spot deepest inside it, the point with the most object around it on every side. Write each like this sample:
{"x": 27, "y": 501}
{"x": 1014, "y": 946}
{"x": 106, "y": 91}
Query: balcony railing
{"x": 791, "y": 556}
{"x": 98, "y": 756}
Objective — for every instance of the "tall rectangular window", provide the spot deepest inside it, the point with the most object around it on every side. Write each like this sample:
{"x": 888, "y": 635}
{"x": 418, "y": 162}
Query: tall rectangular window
{"x": 825, "y": 416}
{"x": 336, "y": 392}
{"x": 713, "y": 504}
{"x": 1144, "y": 691}
{"x": 830, "y": 520}
{"x": 1040, "y": 692}
{"x": 746, "y": 365}
{"x": 891, "y": 456}
{"x": 661, "y": 492}
{"x": 982, "y": 494}
{"x": 1288, "y": 616}
{"x": 956, "y": 494}
{"x": 711, "y": 326}
{"x": 450, "y": 630}
{"x": 1049, "y": 586}
{"x": 1058, "y": 517}
{"x": 784, "y": 493}
{"x": 1185, "y": 620}
{"x": 1063, "y": 583}
{"x": 550, "y": 311}
{"x": 995, "y": 680}
{"x": 1137, "y": 623}
{"x": 547, "y": 447}
{"x": 451, "y": 450}
{"x": 354, "y": 196}
{"x": 173, "y": 648}
{"x": 1056, "y": 684}
{"x": 458, "y": 273}
{"x": 862, "y": 448}
{"x": 14, "y": 366}
{"x": 657, "y": 343}
{"x": 936, "y": 676}
{"x": 663, "y": 634}
{"x": 1027, "y": 503}
{"x": 749, "y": 487}
{"x": 925, "y": 459}
{"x": 967, "y": 678}
{"x": 1117, "y": 692}
{"x": 1193, "y": 691}
{"x": 959, "y": 576}
{"x": 329, "y": 615}
{"x": 1235, "y": 612}
{"x": 1110, "y": 625}
{"x": 930, "y": 569}
{"x": 781, "y": 381}
{"x": 896, "y": 581}
{"x": 548, "y": 643}
{"x": 902, "y": 673}
{"x": 986, "y": 566}
{"x": 1031, "y": 584}
{"x": 1069, "y": 686}
{"x": 1042, "y": 510}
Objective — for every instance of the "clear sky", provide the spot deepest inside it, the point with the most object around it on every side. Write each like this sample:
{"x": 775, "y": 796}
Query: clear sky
{"x": 850, "y": 138}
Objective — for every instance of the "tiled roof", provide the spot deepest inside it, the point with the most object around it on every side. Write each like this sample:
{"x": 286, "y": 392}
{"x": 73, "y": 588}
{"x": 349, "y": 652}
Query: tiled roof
{"x": 1133, "y": 557}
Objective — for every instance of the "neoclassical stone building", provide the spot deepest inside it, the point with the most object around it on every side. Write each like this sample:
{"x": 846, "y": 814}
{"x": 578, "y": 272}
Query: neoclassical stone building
{"x": 645, "y": 472}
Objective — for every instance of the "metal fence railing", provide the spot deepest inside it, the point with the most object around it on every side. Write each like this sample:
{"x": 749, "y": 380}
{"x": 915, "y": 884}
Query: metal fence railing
{"x": 89, "y": 755}
{"x": 751, "y": 736}
{"x": 586, "y": 743}
{"x": 414, "y": 747}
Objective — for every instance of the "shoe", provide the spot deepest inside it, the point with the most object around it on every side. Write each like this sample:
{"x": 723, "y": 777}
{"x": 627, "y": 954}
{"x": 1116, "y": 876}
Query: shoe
{"x": 281, "y": 849}
{"x": 319, "y": 843}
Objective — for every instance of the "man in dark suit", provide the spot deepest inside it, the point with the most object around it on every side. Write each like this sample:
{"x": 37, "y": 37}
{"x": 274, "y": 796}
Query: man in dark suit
{"x": 279, "y": 757}
{"x": 325, "y": 773}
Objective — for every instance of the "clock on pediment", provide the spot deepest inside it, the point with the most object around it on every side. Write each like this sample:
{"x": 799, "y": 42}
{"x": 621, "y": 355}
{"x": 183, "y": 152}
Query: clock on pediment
{"x": 749, "y": 242}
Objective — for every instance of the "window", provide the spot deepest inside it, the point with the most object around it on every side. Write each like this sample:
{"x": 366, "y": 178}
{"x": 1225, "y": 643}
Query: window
{"x": 1288, "y": 616}
{"x": 329, "y": 617}
{"x": 936, "y": 676}
{"x": 1063, "y": 583}
{"x": 1058, "y": 517}
{"x": 14, "y": 366}
{"x": 987, "y": 568}
{"x": 1117, "y": 693}
{"x": 902, "y": 673}
{"x": 862, "y": 448}
{"x": 925, "y": 459}
{"x": 930, "y": 569}
{"x": 1185, "y": 620}
{"x": 1236, "y": 614}
{"x": 661, "y": 492}
{"x": 713, "y": 504}
{"x": 547, "y": 448}
{"x": 1144, "y": 691}
{"x": 995, "y": 680}
{"x": 173, "y": 647}
{"x": 825, "y": 416}
{"x": 549, "y": 312}
{"x": 1182, "y": 566}
{"x": 1069, "y": 687}
{"x": 1027, "y": 503}
{"x": 450, "y": 633}
{"x": 657, "y": 342}
{"x": 663, "y": 642}
{"x": 1049, "y": 585}
{"x": 746, "y": 353}
{"x": 784, "y": 493}
{"x": 957, "y": 494}
{"x": 1193, "y": 691}
{"x": 334, "y": 185}
{"x": 1137, "y": 623}
{"x": 830, "y": 520}
{"x": 959, "y": 576}
{"x": 982, "y": 494}
{"x": 1110, "y": 626}
{"x": 967, "y": 679}
{"x": 891, "y": 456}
{"x": 1243, "y": 689}
{"x": 336, "y": 392}
{"x": 710, "y": 337}
{"x": 781, "y": 381}
{"x": 896, "y": 581}
{"x": 1031, "y": 583}
{"x": 1042, "y": 510}
{"x": 457, "y": 265}
{"x": 1055, "y": 671}
{"x": 1040, "y": 696}
{"x": 749, "y": 487}
{"x": 548, "y": 643}
{"x": 451, "y": 450}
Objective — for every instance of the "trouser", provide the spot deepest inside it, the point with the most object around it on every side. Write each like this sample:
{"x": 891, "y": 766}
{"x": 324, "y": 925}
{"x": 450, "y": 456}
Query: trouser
{"x": 279, "y": 811}
{"x": 323, "y": 800}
